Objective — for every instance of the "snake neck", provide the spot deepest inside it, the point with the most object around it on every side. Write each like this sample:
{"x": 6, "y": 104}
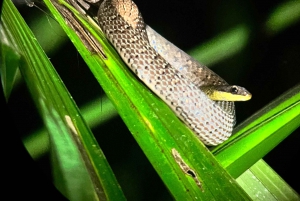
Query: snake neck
{"x": 128, "y": 10}
{"x": 125, "y": 9}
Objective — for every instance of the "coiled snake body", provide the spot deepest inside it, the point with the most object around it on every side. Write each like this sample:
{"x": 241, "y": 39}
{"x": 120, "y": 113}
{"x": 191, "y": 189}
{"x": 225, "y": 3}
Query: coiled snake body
{"x": 179, "y": 86}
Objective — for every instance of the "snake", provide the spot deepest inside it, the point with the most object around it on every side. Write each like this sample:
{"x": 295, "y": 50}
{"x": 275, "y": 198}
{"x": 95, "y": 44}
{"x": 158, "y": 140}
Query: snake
{"x": 197, "y": 95}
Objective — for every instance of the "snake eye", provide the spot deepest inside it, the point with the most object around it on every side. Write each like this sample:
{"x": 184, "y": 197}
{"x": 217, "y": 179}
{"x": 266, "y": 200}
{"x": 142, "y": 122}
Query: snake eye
{"x": 234, "y": 90}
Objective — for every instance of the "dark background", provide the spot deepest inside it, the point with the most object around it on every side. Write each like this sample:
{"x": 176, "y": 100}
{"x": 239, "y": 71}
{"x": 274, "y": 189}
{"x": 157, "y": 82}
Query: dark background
{"x": 268, "y": 66}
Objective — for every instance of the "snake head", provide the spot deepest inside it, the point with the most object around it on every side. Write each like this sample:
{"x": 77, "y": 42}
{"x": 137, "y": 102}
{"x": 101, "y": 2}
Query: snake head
{"x": 227, "y": 93}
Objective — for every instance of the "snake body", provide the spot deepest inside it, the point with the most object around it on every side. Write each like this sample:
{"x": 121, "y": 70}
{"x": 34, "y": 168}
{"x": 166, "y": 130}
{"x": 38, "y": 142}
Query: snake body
{"x": 177, "y": 85}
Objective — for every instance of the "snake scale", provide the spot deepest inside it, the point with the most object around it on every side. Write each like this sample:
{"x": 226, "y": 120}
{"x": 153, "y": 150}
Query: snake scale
{"x": 176, "y": 83}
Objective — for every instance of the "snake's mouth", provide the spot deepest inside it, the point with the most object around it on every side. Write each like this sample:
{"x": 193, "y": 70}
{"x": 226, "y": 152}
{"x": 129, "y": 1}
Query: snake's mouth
{"x": 226, "y": 93}
{"x": 244, "y": 97}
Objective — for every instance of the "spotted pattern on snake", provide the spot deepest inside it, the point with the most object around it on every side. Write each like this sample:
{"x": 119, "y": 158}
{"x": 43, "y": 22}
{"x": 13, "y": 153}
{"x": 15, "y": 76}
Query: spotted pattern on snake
{"x": 196, "y": 72}
{"x": 124, "y": 27}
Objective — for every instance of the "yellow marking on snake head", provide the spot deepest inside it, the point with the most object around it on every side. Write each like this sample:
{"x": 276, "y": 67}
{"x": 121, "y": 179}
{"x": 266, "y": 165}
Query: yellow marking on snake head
{"x": 226, "y": 93}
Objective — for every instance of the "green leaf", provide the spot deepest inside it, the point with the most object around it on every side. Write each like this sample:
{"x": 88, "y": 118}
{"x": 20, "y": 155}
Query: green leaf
{"x": 285, "y": 15}
{"x": 9, "y": 64}
{"x": 223, "y": 46}
{"x": 70, "y": 137}
{"x": 262, "y": 183}
{"x": 259, "y": 134}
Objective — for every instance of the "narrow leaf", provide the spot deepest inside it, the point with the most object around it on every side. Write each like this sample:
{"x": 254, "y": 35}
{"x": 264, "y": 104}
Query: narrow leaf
{"x": 62, "y": 118}
{"x": 259, "y": 134}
